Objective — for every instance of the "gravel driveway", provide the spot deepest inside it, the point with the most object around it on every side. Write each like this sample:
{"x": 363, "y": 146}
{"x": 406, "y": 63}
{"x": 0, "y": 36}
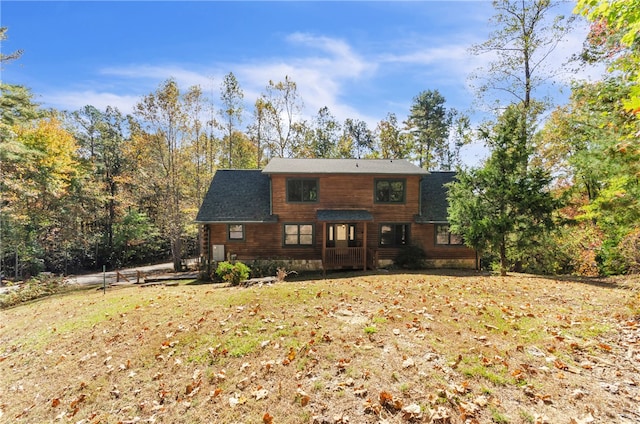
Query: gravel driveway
{"x": 110, "y": 276}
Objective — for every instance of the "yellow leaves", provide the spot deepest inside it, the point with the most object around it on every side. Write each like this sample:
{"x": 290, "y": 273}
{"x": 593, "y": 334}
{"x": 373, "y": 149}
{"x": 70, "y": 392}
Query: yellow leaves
{"x": 53, "y": 163}
{"x": 290, "y": 356}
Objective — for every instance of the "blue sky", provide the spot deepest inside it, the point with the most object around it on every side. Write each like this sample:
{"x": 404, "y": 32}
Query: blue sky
{"x": 361, "y": 59}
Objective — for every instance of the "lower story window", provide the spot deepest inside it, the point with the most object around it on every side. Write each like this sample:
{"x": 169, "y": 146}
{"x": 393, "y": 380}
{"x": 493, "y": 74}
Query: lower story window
{"x": 445, "y": 236}
{"x": 235, "y": 232}
{"x": 394, "y": 235}
{"x": 298, "y": 234}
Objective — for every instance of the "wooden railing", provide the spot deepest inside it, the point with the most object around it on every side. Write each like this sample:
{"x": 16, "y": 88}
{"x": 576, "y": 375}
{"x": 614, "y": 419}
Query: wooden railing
{"x": 337, "y": 257}
{"x": 372, "y": 258}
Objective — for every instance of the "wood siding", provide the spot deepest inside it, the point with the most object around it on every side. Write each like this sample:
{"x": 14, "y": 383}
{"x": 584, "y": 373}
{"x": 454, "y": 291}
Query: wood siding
{"x": 424, "y": 235}
{"x": 265, "y": 240}
{"x": 345, "y": 192}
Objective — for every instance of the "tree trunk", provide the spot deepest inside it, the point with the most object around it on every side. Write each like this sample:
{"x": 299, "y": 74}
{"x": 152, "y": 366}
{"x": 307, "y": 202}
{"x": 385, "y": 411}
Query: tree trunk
{"x": 503, "y": 258}
{"x": 176, "y": 253}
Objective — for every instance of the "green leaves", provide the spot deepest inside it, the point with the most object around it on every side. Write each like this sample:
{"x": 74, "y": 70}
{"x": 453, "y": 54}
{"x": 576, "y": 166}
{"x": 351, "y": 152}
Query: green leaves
{"x": 505, "y": 205}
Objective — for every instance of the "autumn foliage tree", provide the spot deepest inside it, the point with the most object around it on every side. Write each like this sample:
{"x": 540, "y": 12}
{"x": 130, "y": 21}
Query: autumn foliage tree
{"x": 160, "y": 149}
{"x": 615, "y": 32}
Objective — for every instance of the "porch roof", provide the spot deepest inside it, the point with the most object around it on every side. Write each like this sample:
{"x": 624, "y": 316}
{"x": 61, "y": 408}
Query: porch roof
{"x": 343, "y": 215}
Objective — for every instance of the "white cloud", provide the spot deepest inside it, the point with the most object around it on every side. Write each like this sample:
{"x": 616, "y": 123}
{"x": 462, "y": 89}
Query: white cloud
{"x": 74, "y": 100}
{"x": 185, "y": 77}
{"x": 321, "y": 74}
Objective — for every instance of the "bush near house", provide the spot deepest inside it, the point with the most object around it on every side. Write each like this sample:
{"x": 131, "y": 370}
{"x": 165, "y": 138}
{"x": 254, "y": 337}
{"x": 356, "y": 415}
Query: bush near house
{"x": 411, "y": 257}
{"x": 233, "y": 273}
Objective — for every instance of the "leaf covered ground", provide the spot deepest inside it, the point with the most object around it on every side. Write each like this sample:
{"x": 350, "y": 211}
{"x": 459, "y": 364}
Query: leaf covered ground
{"x": 383, "y": 348}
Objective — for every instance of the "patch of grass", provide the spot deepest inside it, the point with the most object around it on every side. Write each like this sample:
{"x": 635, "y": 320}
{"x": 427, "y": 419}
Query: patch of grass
{"x": 379, "y": 320}
{"x": 527, "y": 417}
{"x": 404, "y": 388}
{"x": 480, "y": 371}
{"x": 590, "y": 331}
{"x": 485, "y": 391}
{"x": 498, "y": 417}
{"x": 170, "y": 349}
{"x": 318, "y": 386}
{"x": 370, "y": 329}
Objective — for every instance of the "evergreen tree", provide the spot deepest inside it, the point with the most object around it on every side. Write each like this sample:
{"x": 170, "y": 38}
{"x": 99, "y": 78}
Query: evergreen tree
{"x": 504, "y": 207}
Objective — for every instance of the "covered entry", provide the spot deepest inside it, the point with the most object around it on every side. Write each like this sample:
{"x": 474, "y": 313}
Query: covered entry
{"x": 345, "y": 238}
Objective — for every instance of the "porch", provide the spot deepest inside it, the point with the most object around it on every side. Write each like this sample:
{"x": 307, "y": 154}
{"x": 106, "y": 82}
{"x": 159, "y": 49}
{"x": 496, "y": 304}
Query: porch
{"x": 345, "y": 239}
{"x": 349, "y": 257}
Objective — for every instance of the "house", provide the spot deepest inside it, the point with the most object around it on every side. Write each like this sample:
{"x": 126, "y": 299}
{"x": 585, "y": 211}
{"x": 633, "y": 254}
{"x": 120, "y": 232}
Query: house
{"x": 330, "y": 214}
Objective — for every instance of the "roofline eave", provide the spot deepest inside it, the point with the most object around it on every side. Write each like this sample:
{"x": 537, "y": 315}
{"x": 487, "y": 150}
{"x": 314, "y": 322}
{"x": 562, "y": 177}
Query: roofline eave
{"x": 235, "y": 221}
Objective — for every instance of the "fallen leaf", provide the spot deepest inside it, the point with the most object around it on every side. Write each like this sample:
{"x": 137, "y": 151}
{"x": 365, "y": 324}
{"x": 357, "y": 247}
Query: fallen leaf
{"x": 560, "y": 365}
{"x": 457, "y": 362}
{"x": 302, "y": 397}
{"x": 77, "y": 401}
{"x": 388, "y": 402}
{"x": 408, "y": 363}
{"x": 261, "y": 394}
{"x": 604, "y": 347}
{"x": 267, "y": 418}
{"x": 412, "y": 412}
{"x": 55, "y": 402}
{"x": 586, "y": 420}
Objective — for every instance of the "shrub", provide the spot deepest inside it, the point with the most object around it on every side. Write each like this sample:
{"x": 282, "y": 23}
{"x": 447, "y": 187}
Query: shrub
{"x": 266, "y": 267}
{"x": 629, "y": 249}
{"x": 411, "y": 257}
{"x": 233, "y": 273}
{"x": 34, "y": 288}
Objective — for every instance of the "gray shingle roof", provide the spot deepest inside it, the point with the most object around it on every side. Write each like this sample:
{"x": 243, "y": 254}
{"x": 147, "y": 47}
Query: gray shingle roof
{"x": 434, "y": 197}
{"x": 342, "y": 166}
{"x": 244, "y": 196}
{"x": 237, "y": 196}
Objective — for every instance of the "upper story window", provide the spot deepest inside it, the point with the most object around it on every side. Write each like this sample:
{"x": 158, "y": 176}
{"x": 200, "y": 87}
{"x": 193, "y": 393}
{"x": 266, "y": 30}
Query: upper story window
{"x": 389, "y": 191}
{"x": 302, "y": 190}
{"x": 445, "y": 236}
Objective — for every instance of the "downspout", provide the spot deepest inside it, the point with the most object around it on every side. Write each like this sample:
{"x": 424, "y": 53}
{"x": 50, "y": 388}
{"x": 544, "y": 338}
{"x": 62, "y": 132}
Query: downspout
{"x": 420, "y": 196}
{"x": 270, "y": 197}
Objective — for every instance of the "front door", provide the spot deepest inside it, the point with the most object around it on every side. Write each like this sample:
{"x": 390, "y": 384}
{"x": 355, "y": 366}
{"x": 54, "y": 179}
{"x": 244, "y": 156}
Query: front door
{"x": 342, "y": 235}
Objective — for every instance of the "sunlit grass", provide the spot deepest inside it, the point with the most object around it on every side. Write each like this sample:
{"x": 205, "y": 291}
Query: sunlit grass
{"x": 415, "y": 336}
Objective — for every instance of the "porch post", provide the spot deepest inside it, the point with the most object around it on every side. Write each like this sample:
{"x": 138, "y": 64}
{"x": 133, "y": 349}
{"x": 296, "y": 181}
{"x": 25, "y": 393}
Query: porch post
{"x": 324, "y": 243}
{"x": 364, "y": 244}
